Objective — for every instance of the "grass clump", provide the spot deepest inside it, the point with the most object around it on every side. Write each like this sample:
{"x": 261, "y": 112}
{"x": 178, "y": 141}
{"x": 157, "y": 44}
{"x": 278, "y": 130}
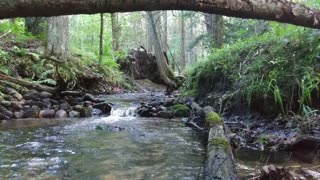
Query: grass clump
{"x": 214, "y": 119}
{"x": 219, "y": 143}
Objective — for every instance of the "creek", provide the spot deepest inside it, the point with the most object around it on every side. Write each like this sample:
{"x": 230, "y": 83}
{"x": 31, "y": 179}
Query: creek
{"x": 120, "y": 146}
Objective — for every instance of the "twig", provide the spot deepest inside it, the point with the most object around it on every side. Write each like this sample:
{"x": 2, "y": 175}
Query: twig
{"x": 52, "y": 58}
{"x": 5, "y": 34}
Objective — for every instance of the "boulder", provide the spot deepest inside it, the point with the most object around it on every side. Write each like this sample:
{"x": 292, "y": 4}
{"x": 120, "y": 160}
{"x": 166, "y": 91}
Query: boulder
{"x": 37, "y": 103}
{"x": 155, "y": 103}
{"x": 77, "y": 108}
{"x": 32, "y": 95}
{"x": 61, "y": 114}
{"x": 4, "y": 117}
{"x": 5, "y": 103}
{"x": 97, "y": 112}
{"x": 144, "y": 112}
{"x": 54, "y": 102}
{"x": 45, "y": 95}
{"x": 33, "y": 112}
{"x": 47, "y": 102}
{"x": 47, "y": 113}
{"x": 56, "y": 107}
{"x": 74, "y": 114}
{"x": 17, "y": 105}
{"x": 104, "y": 107}
{"x": 166, "y": 114}
{"x": 86, "y": 112}
{"x": 89, "y": 97}
{"x": 73, "y": 101}
{"x": 65, "y": 106}
{"x": 18, "y": 114}
{"x": 169, "y": 102}
{"x": 6, "y": 112}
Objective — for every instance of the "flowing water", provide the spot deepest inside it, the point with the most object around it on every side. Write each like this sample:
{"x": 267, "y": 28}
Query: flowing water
{"x": 120, "y": 146}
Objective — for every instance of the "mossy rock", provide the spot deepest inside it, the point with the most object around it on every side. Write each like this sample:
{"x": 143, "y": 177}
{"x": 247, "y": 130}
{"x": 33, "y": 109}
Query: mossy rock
{"x": 219, "y": 143}
{"x": 181, "y": 110}
{"x": 214, "y": 119}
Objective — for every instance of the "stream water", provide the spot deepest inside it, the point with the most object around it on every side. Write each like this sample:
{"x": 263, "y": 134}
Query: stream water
{"x": 120, "y": 146}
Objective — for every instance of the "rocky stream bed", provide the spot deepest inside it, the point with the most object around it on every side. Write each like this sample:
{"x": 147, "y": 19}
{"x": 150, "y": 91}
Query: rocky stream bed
{"x": 142, "y": 136}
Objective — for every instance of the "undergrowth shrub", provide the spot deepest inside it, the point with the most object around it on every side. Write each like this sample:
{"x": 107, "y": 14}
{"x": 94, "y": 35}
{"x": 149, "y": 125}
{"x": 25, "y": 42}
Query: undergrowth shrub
{"x": 281, "y": 65}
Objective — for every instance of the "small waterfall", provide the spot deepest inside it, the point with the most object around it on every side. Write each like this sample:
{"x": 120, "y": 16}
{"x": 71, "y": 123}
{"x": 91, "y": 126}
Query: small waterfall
{"x": 121, "y": 112}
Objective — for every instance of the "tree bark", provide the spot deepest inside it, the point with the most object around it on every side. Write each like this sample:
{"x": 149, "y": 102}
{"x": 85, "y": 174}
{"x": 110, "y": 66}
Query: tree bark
{"x": 165, "y": 31}
{"x": 276, "y": 10}
{"x": 101, "y": 38}
{"x": 27, "y": 84}
{"x": 183, "y": 41}
{"x": 57, "y": 42}
{"x": 215, "y": 29}
{"x": 116, "y": 31}
{"x": 220, "y": 163}
{"x": 165, "y": 72}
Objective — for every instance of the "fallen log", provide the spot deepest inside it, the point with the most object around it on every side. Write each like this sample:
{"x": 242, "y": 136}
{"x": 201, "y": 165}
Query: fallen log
{"x": 220, "y": 162}
{"x": 27, "y": 84}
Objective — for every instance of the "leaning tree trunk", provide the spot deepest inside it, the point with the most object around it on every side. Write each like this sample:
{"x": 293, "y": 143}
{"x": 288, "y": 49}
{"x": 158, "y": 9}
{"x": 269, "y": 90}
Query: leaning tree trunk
{"x": 284, "y": 11}
{"x": 165, "y": 72}
{"x": 57, "y": 42}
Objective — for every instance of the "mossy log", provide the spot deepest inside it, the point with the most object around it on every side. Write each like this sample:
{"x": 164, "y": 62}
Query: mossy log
{"x": 220, "y": 162}
{"x": 27, "y": 84}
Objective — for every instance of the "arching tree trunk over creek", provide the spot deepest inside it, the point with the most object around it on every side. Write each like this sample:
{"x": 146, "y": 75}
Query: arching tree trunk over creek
{"x": 165, "y": 72}
{"x": 277, "y": 10}
{"x": 57, "y": 42}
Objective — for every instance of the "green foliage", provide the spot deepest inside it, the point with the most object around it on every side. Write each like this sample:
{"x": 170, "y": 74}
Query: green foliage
{"x": 214, "y": 119}
{"x": 17, "y": 29}
{"x": 282, "y": 63}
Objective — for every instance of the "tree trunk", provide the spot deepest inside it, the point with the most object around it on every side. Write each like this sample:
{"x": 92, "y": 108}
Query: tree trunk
{"x": 116, "y": 31}
{"x": 27, "y": 84}
{"x": 165, "y": 72}
{"x": 149, "y": 36}
{"x": 220, "y": 163}
{"x": 280, "y": 10}
{"x": 101, "y": 38}
{"x": 191, "y": 51}
{"x": 218, "y": 31}
{"x": 215, "y": 29}
{"x": 165, "y": 31}
{"x": 34, "y": 25}
{"x": 57, "y": 42}
{"x": 183, "y": 41}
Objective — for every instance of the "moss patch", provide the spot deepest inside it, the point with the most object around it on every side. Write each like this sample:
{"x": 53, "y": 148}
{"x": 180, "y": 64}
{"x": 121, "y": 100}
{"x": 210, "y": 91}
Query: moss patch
{"x": 180, "y": 107}
{"x": 219, "y": 142}
{"x": 214, "y": 119}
